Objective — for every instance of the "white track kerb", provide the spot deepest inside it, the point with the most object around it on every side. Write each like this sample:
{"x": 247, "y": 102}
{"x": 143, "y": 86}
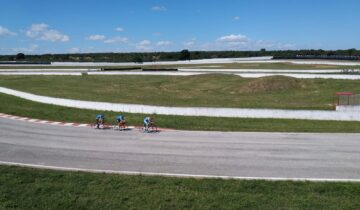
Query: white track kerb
{"x": 174, "y": 175}
{"x": 190, "y": 111}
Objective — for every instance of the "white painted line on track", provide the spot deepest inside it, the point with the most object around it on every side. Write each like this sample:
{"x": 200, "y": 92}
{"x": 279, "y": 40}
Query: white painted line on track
{"x": 68, "y": 124}
{"x": 41, "y": 73}
{"x": 53, "y": 70}
{"x": 175, "y": 174}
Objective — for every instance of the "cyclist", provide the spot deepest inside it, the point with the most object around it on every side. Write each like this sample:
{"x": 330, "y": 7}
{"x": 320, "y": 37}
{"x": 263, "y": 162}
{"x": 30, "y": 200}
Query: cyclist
{"x": 148, "y": 121}
{"x": 121, "y": 121}
{"x": 100, "y": 120}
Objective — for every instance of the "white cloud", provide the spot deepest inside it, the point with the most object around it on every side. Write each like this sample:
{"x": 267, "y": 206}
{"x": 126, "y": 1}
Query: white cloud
{"x": 30, "y": 49}
{"x": 273, "y": 45}
{"x": 96, "y": 37}
{"x": 242, "y": 42}
{"x": 54, "y": 36}
{"x": 287, "y": 46}
{"x": 158, "y": 8}
{"x": 74, "y": 50}
{"x": 36, "y": 29}
{"x": 41, "y": 31}
{"x": 119, "y": 29}
{"x": 234, "y": 39}
{"x": 144, "y": 45}
{"x": 236, "y": 18}
{"x": 6, "y": 32}
{"x": 190, "y": 43}
{"x": 117, "y": 39}
{"x": 145, "y": 42}
{"x": 164, "y": 43}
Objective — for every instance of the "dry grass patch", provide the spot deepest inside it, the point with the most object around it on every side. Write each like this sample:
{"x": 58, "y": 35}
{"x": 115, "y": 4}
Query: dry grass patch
{"x": 274, "y": 84}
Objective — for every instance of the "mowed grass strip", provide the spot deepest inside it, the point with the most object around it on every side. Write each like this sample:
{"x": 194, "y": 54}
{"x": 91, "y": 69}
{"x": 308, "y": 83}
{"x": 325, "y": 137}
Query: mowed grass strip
{"x": 26, "y": 188}
{"x": 20, "y": 107}
{"x": 213, "y": 90}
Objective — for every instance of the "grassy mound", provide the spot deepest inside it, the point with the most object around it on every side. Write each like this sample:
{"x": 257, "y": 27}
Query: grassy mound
{"x": 273, "y": 84}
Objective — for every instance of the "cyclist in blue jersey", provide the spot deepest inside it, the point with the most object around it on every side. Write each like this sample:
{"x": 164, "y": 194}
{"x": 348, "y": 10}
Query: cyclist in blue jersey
{"x": 148, "y": 121}
{"x": 100, "y": 120}
{"x": 121, "y": 121}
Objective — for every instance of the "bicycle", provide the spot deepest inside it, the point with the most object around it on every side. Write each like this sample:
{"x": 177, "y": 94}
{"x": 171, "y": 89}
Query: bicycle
{"x": 101, "y": 125}
{"x": 121, "y": 127}
{"x": 150, "y": 129}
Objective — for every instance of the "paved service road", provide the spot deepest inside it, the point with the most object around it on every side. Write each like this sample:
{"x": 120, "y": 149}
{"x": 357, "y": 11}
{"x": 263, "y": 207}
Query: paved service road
{"x": 277, "y": 155}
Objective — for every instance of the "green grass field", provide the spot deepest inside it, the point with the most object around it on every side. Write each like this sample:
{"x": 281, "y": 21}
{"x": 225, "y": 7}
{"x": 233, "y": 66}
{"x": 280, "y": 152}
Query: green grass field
{"x": 214, "y": 90}
{"x": 20, "y": 107}
{"x": 26, "y": 188}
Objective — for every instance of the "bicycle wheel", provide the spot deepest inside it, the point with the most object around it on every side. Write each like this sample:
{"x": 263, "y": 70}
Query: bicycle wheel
{"x": 153, "y": 129}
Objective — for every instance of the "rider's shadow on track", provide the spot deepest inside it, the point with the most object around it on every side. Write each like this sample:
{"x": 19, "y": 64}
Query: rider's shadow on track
{"x": 154, "y": 131}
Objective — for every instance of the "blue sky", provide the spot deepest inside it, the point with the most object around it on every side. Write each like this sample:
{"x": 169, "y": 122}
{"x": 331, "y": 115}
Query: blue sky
{"x": 62, "y": 26}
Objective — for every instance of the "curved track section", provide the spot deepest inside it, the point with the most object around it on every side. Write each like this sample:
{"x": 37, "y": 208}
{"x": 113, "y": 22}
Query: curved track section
{"x": 183, "y": 153}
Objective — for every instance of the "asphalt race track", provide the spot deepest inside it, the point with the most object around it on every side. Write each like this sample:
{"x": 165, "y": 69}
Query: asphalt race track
{"x": 233, "y": 154}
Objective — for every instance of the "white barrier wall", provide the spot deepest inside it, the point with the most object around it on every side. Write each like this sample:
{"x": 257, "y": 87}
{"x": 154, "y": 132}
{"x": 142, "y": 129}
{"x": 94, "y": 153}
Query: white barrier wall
{"x": 266, "y": 59}
{"x": 190, "y": 111}
{"x": 199, "y": 61}
{"x": 348, "y": 108}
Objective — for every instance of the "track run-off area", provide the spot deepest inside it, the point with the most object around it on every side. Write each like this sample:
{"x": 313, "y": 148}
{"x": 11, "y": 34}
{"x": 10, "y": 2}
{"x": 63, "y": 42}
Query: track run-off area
{"x": 190, "y": 111}
{"x": 239, "y": 155}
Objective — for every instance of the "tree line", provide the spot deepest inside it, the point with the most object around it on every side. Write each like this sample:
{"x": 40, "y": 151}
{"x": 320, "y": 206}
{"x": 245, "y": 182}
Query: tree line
{"x": 350, "y": 54}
